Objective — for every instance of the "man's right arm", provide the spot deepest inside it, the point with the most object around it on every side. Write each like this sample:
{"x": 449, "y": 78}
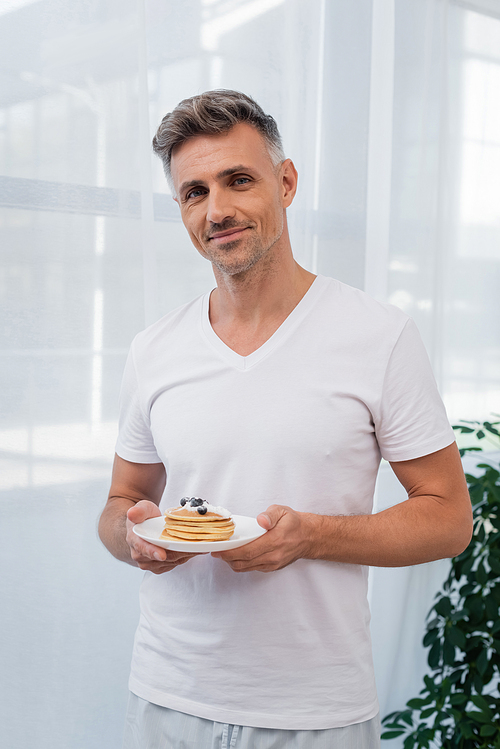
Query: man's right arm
{"x": 136, "y": 490}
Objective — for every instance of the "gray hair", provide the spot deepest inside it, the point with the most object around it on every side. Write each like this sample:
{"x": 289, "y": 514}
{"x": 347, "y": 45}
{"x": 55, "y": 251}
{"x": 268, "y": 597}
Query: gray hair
{"x": 212, "y": 113}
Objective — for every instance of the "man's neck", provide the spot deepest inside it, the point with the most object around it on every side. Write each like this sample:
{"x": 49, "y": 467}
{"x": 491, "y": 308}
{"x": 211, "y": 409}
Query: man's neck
{"x": 246, "y": 309}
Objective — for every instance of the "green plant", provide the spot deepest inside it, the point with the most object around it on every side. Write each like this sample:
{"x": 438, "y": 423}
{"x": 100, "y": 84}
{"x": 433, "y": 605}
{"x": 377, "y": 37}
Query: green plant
{"x": 459, "y": 706}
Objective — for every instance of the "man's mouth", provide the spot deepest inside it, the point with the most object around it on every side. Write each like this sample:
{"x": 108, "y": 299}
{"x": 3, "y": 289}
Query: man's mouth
{"x": 229, "y": 235}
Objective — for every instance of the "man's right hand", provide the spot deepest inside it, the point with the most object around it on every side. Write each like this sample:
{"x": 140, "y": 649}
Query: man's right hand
{"x": 145, "y": 555}
{"x": 135, "y": 495}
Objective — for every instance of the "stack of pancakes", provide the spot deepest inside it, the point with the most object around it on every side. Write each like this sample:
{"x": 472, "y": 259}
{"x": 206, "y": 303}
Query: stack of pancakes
{"x": 185, "y": 525}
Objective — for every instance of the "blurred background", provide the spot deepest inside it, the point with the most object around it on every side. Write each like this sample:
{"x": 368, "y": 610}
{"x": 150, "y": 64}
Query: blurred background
{"x": 390, "y": 110}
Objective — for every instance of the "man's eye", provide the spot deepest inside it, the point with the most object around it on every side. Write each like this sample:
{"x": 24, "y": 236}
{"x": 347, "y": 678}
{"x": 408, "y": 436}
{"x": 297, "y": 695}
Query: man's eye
{"x": 241, "y": 181}
{"x": 195, "y": 193}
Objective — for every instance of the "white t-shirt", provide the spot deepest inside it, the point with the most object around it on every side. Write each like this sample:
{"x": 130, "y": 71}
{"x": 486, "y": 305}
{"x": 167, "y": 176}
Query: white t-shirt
{"x": 303, "y": 422}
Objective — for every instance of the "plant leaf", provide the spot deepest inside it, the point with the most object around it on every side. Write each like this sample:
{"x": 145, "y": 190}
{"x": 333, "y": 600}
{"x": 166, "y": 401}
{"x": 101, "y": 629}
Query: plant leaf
{"x": 475, "y": 607}
{"x": 466, "y": 589}
{"x": 443, "y": 606}
{"x": 433, "y": 658}
{"x": 409, "y": 742}
{"x": 481, "y": 574}
{"x": 496, "y": 627}
{"x": 488, "y": 731}
{"x": 456, "y": 637}
{"x": 482, "y": 662}
{"x": 479, "y": 717}
{"x": 458, "y": 698}
{"x": 418, "y": 702}
{"x": 448, "y": 653}
{"x": 466, "y": 730}
{"x": 478, "y": 683}
{"x": 428, "y": 712}
{"x": 406, "y": 716}
{"x": 430, "y": 637}
{"x": 481, "y": 703}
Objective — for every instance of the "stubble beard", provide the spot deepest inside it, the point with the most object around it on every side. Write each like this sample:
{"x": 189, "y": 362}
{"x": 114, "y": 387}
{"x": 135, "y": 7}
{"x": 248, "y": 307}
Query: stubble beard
{"x": 226, "y": 258}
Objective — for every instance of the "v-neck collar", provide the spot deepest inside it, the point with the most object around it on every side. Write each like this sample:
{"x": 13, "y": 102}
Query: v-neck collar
{"x": 294, "y": 319}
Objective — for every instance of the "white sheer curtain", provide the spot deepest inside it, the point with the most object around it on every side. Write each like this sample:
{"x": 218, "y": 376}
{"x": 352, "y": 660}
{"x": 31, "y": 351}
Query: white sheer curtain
{"x": 434, "y": 251}
{"x": 390, "y": 111}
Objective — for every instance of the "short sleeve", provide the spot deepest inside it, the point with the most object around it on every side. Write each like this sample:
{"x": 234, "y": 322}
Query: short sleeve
{"x": 412, "y": 420}
{"x": 135, "y": 441}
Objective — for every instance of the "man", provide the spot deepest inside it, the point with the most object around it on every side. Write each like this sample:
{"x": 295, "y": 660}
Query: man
{"x": 275, "y": 395}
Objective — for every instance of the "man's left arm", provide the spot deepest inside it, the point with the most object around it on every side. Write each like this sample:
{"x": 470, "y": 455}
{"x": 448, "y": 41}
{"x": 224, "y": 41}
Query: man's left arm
{"x": 435, "y": 522}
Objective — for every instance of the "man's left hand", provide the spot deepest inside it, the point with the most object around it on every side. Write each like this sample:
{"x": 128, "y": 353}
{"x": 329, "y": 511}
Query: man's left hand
{"x": 287, "y": 539}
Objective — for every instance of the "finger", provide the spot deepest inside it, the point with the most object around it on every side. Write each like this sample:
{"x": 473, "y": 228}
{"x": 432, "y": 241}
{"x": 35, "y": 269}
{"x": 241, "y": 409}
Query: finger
{"x": 264, "y": 521}
{"x": 246, "y": 562}
{"x": 174, "y": 555}
{"x": 147, "y": 552}
{"x": 272, "y": 516}
{"x": 266, "y": 563}
{"x": 247, "y": 552}
{"x": 267, "y": 520}
{"x": 143, "y": 510}
{"x": 159, "y": 568}
{"x": 141, "y": 548}
{"x": 256, "y": 567}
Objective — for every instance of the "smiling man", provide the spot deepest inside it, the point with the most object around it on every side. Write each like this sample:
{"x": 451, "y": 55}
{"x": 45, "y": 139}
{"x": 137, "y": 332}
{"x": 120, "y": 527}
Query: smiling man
{"x": 234, "y": 214}
{"x": 275, "y": 395}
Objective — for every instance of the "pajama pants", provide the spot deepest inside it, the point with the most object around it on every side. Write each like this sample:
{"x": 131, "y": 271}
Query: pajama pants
{"x": 150, "y": 726}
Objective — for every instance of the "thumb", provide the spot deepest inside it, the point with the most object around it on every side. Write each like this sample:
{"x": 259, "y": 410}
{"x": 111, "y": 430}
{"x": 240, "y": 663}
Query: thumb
{"x": 271, "y": 516}
{"x": 142, "y": 511}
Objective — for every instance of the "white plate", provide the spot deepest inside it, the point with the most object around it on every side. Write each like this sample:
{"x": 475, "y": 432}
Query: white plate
{"x": 245, "y": 530}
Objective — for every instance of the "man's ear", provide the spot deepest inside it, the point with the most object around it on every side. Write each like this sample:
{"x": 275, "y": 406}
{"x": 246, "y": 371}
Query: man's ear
{"x": 289, "y": 180}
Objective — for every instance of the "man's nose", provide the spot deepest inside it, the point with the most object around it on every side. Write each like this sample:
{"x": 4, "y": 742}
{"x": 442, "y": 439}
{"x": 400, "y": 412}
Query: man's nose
{"x": 220, "y": 206}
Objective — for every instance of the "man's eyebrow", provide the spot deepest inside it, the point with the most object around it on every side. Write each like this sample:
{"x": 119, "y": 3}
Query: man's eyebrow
{"x": 191, "y": 183}
{"x": 233, "y": 170}
{"x": 220, "y": 175}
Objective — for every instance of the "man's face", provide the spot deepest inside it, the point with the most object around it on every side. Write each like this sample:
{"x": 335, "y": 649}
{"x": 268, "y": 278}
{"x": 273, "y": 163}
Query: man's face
{"x": 231, "y": 197}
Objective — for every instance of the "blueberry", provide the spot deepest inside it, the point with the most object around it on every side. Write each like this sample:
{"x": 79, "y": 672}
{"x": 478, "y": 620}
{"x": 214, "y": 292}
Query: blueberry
{"x": 183, "y": 501}
{"x": 196, "y": 502}
{"x": 202, "y": 510}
